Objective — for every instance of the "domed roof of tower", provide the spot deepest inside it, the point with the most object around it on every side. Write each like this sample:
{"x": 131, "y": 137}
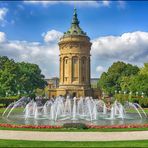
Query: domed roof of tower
{"x": 75, "y": 28}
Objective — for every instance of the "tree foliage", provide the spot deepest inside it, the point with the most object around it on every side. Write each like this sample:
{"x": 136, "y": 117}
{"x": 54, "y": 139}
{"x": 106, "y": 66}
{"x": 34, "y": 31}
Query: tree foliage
{"x": 139, "y": 83}
{"x": 144, "y": 70}
{"x": 19, "y": 77}
{"x": 117, "y": 77}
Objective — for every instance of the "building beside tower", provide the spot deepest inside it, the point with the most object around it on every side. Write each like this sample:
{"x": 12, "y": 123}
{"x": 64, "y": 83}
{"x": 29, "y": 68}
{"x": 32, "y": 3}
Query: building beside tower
{"x": 75, "y": 66}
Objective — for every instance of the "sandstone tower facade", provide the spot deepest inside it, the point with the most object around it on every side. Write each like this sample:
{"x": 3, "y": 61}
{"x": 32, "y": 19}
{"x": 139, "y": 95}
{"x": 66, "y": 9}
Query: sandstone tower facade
{"x": 74, "y": 73}
{"x": 74, "y": 57}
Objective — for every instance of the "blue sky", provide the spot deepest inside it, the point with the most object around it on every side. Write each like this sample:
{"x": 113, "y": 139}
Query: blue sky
{"x": 29, "y": 31}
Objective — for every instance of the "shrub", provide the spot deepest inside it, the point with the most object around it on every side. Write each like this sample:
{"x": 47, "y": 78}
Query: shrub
{"x": 134, "y": 99}
{"x": 10, "y": 97}
{"x": 143, "y": 102}
{"x": 122, "y": 97}
{"x": 75, "y": 125}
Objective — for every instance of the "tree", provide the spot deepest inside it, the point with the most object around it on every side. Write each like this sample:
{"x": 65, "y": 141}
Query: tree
{"x": 144, "y": 70}
{"x": 23, "y": 77}
{"x": 30, "y": 78}
{"x": 40, "y": 92}
{"x": 125, "y": 83}
{"x": 112, "y": 79}
{"x": 8, "y": 76}
{"x": 139, "y": 83}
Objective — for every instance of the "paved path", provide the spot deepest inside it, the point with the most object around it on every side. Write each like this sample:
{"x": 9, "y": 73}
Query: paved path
{"x": 73, "y": 136}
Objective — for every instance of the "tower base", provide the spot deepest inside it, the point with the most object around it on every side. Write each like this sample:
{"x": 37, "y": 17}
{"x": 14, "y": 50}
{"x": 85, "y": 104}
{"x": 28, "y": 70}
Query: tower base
{"x": 75, "y": 92}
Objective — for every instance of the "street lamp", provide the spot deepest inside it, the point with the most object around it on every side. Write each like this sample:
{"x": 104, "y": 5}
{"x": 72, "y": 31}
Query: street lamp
{"x": 130, "y": 96}
{"x": 103, "y": 95}
{"x": 142, "y": 94}
{"x": 6, "y": 93}
{"x": 124, "y": 92}
{"x": 18, "y": 92}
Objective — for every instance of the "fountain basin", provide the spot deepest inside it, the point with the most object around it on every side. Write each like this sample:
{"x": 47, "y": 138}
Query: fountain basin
{"x": 64, "y": 110}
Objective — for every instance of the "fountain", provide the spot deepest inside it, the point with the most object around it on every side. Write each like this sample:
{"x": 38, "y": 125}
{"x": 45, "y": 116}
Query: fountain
{"x": 62, "y": 110}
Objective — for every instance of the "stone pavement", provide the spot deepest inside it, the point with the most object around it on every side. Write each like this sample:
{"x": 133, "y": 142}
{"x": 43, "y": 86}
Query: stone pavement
{"x": 73, "y": 136}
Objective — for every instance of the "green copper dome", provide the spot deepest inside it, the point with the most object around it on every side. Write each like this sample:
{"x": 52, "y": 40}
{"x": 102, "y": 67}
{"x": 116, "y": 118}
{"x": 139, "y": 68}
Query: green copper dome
{"x": 75, "y": 28}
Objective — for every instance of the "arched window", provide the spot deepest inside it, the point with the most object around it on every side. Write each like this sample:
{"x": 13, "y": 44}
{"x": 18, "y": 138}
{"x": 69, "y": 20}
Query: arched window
{"x": 75, "y": 69}
{"x": 65, "y": 68}
{"x": 83, "y": 65}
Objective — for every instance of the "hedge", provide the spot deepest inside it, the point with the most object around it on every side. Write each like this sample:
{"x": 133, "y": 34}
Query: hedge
{"x": 10, "y": 97}
{"x": 134, "y": 99}
{"x": 75, "y": 125}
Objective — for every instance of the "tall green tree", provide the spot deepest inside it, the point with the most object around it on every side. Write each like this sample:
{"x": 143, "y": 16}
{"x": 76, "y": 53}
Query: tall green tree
{"x": 112, "y": 79}
{"x": 125, "y": 83}
{"x": 30, "y": 77}
{"x": 144, "y": 70}
{"x": 139, "y": 83}
{"x": 19, "y": 77}
{"x": 8, "y": 76}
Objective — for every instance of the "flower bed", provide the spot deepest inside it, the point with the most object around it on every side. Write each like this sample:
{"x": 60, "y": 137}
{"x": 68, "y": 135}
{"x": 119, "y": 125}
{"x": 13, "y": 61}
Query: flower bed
{"x": 118, "y": 126}
{"x": 31, "y": 126}
{"x": 88, "y": 126}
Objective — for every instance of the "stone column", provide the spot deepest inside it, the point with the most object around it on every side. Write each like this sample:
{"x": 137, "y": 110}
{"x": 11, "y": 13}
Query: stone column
{"x": 80, "y": 70}
{"x": 60, "y": 70}
{"x": 89, "y": 70}
{"x": 70, "y": 69}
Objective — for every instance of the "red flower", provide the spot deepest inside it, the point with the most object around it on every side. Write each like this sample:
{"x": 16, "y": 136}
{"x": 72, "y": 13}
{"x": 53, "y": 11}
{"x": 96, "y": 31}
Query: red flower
{"x": 28, "y": 126}
{"x": 58, "y": 126}
{"x": 118, "y": 126}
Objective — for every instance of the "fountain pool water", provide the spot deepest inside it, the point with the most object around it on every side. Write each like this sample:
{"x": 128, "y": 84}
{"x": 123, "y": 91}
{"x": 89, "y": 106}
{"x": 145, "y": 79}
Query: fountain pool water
{"x": 62, "y": 110}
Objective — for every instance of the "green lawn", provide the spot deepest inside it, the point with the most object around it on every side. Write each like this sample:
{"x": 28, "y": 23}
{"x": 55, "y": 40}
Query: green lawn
{"x": 77, "y": 130}
{"x": 133, "y": 110}
{"x": 2, "y": 110}
{"x": 16, "y": 110}
{"x": 23, "y": 143}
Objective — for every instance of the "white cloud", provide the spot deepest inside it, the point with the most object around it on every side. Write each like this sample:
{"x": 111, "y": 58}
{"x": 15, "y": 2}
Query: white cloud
{"x": 44, "y": 3}
{"x": 106, "y": 2}
{"x": 100, "y": 69}
{"x": 83, "y": 3}
{"x": 52, "y": 36}
{"x": 73, "y": 3}
{"x": 3, "y": 12}
{"x": 2, "y": 37}
{"x": 129, "y": 47}
{"x": 121, "y": 4}
{"x": 45, "y": 55}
